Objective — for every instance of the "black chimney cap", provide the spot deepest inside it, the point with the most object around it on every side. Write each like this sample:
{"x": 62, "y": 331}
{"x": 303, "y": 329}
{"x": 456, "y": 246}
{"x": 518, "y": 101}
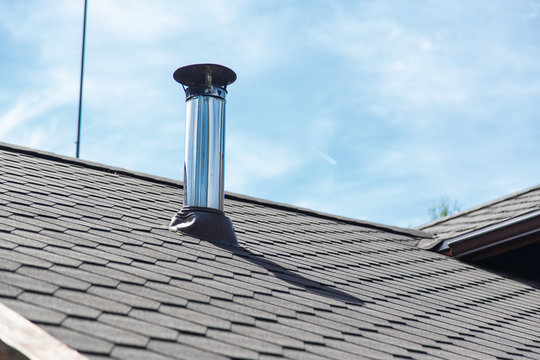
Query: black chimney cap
{"x": 199, "y": 74}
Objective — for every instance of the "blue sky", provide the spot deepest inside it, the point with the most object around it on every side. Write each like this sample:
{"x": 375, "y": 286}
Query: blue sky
{"x": 367, "y": 109}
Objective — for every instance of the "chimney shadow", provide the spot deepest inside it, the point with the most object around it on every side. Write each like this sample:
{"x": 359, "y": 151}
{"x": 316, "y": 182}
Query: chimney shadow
{"x": 290, "y": 276}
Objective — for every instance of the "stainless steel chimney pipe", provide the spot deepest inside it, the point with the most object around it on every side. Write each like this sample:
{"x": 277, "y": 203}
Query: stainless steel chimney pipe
{"x": 204, "y": 150}
{"x": 205, "y": 86}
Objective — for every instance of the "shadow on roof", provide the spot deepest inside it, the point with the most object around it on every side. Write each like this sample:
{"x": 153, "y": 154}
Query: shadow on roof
{"x": 292, "y": 277}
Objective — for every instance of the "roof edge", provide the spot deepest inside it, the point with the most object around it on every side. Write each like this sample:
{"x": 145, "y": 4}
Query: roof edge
{"x": 23, "y": 339}
{"x": 87, "y": 163}
{"x": 478, "y": 207}
{"x": 230, "y": 195}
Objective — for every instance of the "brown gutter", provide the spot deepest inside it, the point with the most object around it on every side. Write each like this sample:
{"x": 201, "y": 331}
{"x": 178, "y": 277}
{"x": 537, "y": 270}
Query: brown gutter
{"x": 495, "y": 239}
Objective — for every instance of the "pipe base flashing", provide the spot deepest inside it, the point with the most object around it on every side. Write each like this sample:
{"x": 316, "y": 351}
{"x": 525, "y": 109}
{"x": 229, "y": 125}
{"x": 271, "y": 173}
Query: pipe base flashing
{"x": 204, "y": 224}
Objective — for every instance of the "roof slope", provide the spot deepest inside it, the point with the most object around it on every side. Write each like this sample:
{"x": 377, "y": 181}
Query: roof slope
{"x": 86, "y": 255}
{"x": 494, "y": 212}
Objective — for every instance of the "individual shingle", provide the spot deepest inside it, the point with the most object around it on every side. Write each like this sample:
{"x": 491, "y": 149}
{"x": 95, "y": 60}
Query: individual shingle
{"x": 258, "y": 345}
{"x": 81, "y": 342}
{"x": 206, "y": 291}
{"x": 266, "y": 306}
{"x": 333, "y": 353}
{"x": 140, "y": 272}
{"x": 162, "y": 270}
{"x": 9, "y": 224}
{"x": 35, "y": 313}
{"x": 142, "y": 327}
{"x": 9, "y": 291}
{"x": 169, "y": 321}
{"x": 376, "y": 343}
{"x": 60, "y": 305}
{"x": 298, "y": 334}
{"x": 146, "y": 251}
{"x": 126, "y": 254}
{"x": 182, "y": 351}
{"x": 18, "y": 238}
{"x": 294, "y": 303}
{"x": 320, "y": 321}
{"x": 182, "y": 251}
{"x": 97, "y": 302}
{"x": 16, "y": 256}
{"x": 163, "y": 297}
{"x": 196, "y": 317}
{"x": 223, "y": 287}
{"x": 55, "y": 278}
{"x": 106, "y": 332}
{"x": 85, "y": 276}
{"x": 123, "y": 297}
{"x": 185, "y": 267}
{"x": 233, "y": 316}
{"x": 97, "y": 253}
{"x": 48, "y": 256}
{"x": 66, "y": 237}
{"x": 218, "y": 347}
{"x": 130, "y": 353}
{"x": 28, "y": 223}
{"x": 113, "y": 274}
{"x": 269, "y": 336}
{"x": 8, "y": 265}
{"x": 245, "y": 309}
{"x": 326, "y": 332}
{"x": 74, "y": 253}
{"x": 302, "y": 355}
{"x": 82, "y": 238}
{"x": 27, "y": 283}
{"x": 58, "y": 211}
{"x": 135, "y": 237}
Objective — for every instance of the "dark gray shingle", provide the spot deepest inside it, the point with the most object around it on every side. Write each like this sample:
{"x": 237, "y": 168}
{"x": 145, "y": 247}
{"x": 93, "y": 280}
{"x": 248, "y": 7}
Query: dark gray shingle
{"x": 88, "y": 257}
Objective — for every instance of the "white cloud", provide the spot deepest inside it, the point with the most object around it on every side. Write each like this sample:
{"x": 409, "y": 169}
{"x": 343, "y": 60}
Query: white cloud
{"x": 45, "y": 53}
{"x": 411, "y": 67}
{"x": 15, "y": 116}
{"x": 327, "y": 158}
{"x": 405, "y": 100}
{"x": 36, "y": 105}
{"x": 251, "y": 159}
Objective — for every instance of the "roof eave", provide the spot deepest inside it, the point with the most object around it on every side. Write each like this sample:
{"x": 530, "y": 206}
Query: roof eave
{"x": 22, "y": 339}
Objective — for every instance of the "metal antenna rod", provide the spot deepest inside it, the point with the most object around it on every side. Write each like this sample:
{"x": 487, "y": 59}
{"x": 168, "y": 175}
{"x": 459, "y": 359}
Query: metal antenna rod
{"x": 81, "y": 84}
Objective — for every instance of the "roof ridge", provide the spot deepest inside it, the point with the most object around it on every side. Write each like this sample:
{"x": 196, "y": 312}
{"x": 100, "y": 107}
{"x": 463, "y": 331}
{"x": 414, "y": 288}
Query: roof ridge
{"x": 231, "y": 195}
{"x": 87, "y": 163}
{"x": 478, "y": 207}
{"x": 324, "y": 215}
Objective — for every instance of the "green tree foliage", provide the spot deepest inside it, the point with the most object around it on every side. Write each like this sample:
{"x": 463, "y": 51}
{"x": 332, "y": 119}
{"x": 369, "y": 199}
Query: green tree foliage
{"x": 444, "y": 207}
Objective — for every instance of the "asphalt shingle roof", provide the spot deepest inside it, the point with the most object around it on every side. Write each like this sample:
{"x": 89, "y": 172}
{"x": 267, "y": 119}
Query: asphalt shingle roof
{"x": 491, "y": 213}
{"x": 85, "y": 253}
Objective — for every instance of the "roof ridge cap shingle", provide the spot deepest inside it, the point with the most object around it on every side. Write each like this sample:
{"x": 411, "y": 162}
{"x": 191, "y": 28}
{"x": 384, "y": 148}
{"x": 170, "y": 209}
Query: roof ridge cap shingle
{"x": 163, "y": 180}
{"x": 478, "y": 207}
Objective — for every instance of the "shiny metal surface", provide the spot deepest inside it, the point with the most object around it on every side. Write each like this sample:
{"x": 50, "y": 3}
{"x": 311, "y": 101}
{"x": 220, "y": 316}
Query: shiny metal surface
{"x": 204, "y": 151}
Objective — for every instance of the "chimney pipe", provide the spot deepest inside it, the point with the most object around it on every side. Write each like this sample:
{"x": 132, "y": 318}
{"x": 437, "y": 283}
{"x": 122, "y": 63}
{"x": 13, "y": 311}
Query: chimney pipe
{"x": 202, "y": 213}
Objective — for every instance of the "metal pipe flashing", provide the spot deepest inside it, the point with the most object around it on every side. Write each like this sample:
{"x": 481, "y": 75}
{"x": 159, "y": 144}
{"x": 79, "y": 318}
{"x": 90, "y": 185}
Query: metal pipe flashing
{"x": 202, "y": 214}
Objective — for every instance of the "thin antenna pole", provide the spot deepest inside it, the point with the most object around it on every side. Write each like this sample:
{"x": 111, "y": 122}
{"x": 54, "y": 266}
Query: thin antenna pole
{"x": 81, "y": 84}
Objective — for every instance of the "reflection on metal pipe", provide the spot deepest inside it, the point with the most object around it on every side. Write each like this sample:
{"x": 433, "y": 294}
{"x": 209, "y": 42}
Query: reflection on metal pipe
{"x": 204, "y": 152}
